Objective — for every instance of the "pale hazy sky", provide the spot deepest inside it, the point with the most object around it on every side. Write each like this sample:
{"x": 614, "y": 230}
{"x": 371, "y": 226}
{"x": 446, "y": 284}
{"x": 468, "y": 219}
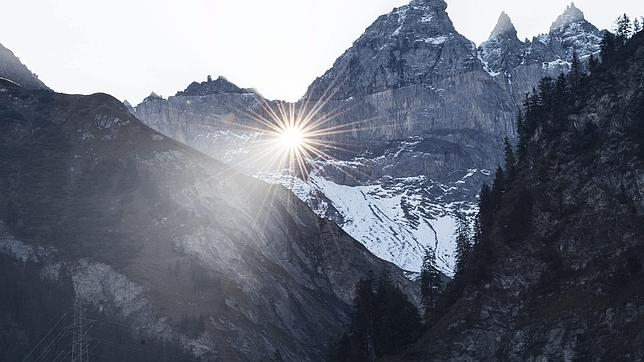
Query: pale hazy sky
{"x": 129, "y": 48}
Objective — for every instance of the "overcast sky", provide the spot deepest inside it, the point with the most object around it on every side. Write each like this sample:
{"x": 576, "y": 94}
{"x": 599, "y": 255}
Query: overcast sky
{"x": 129, "y": 48}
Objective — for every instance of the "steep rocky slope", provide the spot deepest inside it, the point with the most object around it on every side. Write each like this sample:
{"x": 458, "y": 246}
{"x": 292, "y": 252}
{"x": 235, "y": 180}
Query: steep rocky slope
{"x": 11, "y": 68}
{"x": 154, "y": 237}
{"x": 560, "y": 275}
{"x": 418, "y": 114}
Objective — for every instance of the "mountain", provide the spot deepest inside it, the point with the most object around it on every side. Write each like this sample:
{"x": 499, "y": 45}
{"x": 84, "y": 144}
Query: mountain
{"x": 519, "y": 65}
{"x": 503, "y": 50}
{"x": 418, "y": 115}
{"x": 172, "y": 254}
{"x": 212, "y": 116}
{"x": 414, "y": 44}
{"x": 558, "y": 271}
{"x": 12, "y": 69}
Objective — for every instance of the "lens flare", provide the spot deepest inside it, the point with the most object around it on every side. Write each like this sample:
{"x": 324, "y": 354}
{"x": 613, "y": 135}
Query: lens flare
{"x": 300, "y": 139}
{"x": 292, "y": 138}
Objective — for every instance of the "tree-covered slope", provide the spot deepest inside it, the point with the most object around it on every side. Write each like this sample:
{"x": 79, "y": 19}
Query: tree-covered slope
{"x": 557, "y": 270}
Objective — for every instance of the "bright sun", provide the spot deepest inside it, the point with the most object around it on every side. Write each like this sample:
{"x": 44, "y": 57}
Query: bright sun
{"x": 294, "y": 135}
{"x": 292, "y": 138}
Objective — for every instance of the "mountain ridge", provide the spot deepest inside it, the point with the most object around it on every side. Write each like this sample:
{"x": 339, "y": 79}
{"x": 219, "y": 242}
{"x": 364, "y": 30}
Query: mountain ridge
{"x": 436, "y": 127}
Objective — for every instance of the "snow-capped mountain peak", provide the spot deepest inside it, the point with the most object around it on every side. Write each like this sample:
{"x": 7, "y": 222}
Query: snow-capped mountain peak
{"x": 503, "y": 26}
{"x": 570, "y": 16}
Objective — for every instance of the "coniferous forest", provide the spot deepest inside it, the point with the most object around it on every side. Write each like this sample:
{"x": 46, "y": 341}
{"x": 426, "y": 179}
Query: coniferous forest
{"x": 505, "y": 207}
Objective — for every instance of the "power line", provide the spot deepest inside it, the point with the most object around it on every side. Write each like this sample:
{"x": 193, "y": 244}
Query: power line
{"x": 136, "y": 349}
{"x": 45, "y": 337}
{"x": 63, "y": 357}
{"x": 79, "y": 330}
{"x": 63, "y": 333}
{"x": 121, "y": 345}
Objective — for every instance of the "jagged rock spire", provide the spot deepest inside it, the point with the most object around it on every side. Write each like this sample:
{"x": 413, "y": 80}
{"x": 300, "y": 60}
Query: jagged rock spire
{"x": 503, "y": 26}
{"x": 210, "y": 86}
{"x": 571, "y": 15}
{"x": 152, "y": 96}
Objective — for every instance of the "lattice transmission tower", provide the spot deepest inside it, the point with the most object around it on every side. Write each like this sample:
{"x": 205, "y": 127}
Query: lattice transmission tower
{"x": 80, "y": 327}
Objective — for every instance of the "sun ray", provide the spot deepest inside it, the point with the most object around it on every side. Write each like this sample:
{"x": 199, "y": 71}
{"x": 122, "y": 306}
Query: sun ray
{"x": 296, "y": 139}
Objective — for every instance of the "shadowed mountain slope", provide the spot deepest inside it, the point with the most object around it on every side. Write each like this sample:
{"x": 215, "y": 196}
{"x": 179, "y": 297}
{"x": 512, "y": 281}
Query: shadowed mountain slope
{"x": 148, "y": 233}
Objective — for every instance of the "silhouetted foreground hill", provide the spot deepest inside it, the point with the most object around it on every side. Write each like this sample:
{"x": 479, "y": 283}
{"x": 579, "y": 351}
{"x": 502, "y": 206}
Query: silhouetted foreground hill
{"x": 173, "y": 254}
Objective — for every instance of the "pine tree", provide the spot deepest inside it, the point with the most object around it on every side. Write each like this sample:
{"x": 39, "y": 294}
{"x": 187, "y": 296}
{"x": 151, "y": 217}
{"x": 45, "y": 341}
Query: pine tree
{"x": 383, "y": 322}
{"x": 522, "y": 135}
{"x": 624, "y": 29}
{"x": 342, "y": 351}
{"x": 576, "y": 71}
{"x": 562, "y": 87}
{"x": 510, "y": 158}
{"x": 546, "y": 93}
{"x": 498, "y": 185}
{"x": 398, "y": 322}
{"x": 637, "y": 26}
{"x": 477, "y": 232}
{"x": 608, "y": 46}
{"x": 363, "y": 321}
{"x": 593, "y": 62}
{"x": 431, "y": 285}
{"x": 463, "y": 242}
{"x": 486, "y": 210}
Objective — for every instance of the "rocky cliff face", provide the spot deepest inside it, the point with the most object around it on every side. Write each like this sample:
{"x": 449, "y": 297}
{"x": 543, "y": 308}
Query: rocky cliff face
{"x": 11, "y": 68}
{"x": 151, "y": 235}
{"x": 414, "y": 44}
{"x": 419, "y": 114}
{"x": 412, "y": 73}
{"x": 518, "y": 65}
{"x": 570, "y": 284}
{"x": 219, "y": 123}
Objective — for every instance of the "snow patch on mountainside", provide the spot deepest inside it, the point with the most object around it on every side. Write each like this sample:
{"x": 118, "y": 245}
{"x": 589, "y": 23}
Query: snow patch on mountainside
{"x": 435, "y": 40}
{"x": 557, "y": 64}
{"x": 486, "y": 66}
{"x": 396, "y": 222}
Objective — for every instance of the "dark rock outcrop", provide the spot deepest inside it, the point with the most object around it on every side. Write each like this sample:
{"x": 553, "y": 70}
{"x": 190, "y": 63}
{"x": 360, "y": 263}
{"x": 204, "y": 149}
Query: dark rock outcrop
{"x": 217, "y": 86}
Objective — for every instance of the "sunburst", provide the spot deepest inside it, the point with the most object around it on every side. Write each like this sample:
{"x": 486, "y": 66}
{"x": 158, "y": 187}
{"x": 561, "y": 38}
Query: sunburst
{"x": 293, "y": 137}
